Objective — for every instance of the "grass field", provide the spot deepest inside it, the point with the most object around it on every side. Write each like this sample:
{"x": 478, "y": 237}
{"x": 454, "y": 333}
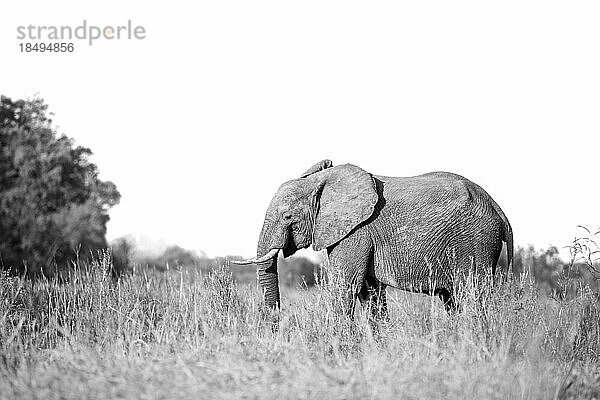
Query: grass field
{"x": 181, "y": 334}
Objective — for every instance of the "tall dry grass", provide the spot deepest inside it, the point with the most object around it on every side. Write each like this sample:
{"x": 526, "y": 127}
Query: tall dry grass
{"x": 183, "y": 334}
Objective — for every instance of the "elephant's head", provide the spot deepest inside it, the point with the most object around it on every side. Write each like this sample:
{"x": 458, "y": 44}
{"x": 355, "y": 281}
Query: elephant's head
{"x": 320, "y": 208}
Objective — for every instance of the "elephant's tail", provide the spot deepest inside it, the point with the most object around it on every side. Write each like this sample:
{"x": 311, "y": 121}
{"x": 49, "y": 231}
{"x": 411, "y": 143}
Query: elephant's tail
{"x": 507, "y": 234}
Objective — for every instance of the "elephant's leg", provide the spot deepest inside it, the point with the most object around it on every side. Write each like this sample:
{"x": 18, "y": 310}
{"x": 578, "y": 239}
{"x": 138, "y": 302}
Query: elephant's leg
{"x": 447, "y": 298}
{"x": 350, "y": 257}
{"x": 373, "y": 297}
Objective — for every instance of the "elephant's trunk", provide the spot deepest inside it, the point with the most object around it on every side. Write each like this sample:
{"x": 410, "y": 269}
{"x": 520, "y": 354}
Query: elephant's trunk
{"x": 267, "y": 275}
{"x": 273, "y": 237}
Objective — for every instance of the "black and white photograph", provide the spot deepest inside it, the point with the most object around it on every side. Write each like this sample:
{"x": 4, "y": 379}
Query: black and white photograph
{"x": 300, "y": 200}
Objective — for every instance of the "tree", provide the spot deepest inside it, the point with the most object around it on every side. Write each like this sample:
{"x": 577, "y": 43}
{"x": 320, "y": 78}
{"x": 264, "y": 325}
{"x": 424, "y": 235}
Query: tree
{"x": 122, "y": 256}
{"x": 53, "y": 206}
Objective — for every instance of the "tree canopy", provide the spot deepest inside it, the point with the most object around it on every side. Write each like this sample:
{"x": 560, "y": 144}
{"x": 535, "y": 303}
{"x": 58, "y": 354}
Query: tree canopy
{"x": 53, "y": 206}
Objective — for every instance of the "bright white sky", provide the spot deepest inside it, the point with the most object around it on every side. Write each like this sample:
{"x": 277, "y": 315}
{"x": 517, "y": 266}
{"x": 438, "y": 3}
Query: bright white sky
{"x": 199, "y": 123}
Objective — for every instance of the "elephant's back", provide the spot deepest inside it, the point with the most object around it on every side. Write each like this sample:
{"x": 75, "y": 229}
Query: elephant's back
{"x": 434, "y": 188}
{"x": 426, "y": 220}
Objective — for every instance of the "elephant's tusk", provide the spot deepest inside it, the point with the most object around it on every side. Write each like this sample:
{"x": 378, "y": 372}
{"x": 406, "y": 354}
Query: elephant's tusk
{"x": 257, "y": 260}
{"x": 241, "y": 262}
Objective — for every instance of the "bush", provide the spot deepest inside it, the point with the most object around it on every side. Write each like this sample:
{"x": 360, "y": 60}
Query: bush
{"x": 53, "y": 206}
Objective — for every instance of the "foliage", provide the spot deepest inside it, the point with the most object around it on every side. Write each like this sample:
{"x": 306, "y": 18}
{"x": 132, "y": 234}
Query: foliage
{"x": 585, "y": 251}
{"x": 295, "y": 271}
{"x": 185, "y": 334}
{"x": 556, "y": 277}
{"x": 53, "y": 206}
{"x": 172, "y": 257}
{"x": 122, "y": 256}
{"x": 543, "y": 265}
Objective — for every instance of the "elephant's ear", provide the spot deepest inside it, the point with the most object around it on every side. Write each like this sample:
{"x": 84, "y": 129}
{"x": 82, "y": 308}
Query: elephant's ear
{"x": 345, "y": 198}
{"x": 320, "y": 166}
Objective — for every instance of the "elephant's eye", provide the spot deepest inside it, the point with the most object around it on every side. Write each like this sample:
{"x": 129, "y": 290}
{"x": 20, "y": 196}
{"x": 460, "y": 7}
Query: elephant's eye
{"x": 287, "y": 216}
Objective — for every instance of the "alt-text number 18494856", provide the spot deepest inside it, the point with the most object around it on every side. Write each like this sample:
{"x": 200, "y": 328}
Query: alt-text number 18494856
{"x": 46, "y": 47}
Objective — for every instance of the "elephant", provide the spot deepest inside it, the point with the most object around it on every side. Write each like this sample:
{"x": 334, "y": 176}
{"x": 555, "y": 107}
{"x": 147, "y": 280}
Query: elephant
{"x": 412, "y": 233}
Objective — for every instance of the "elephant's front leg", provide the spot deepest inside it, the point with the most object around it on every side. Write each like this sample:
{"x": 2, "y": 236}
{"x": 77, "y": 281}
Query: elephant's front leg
{"x": 373, "y": 298}
{"x": 351, "y": 257}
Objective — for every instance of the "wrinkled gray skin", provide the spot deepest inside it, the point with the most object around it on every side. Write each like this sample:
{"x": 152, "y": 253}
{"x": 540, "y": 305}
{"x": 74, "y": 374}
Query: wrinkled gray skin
{"x": 413, "y": 233}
